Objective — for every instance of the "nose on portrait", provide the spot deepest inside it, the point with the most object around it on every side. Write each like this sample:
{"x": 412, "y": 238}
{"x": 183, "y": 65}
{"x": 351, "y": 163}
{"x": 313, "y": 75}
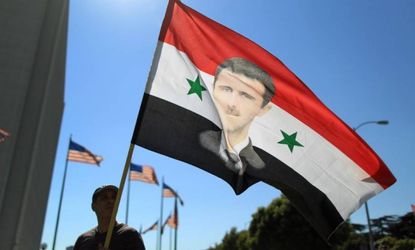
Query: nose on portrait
{"x": 231, "y": 109}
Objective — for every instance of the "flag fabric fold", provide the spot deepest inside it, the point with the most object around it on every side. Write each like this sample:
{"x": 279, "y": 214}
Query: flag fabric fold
{"x": 220, "y": 102}
{"x": 165, "y": 223}
{"x": 151, "y": 228}
{"x": 171, "y": 220}
{"x": 169, "y": 192}
{"x": 143, "y": 173}
{"x": 80, "y": 154}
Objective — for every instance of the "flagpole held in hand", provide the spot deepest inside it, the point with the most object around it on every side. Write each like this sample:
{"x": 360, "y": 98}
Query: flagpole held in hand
{"x": 128, "y": 200}
{"x": 118, "y": 198}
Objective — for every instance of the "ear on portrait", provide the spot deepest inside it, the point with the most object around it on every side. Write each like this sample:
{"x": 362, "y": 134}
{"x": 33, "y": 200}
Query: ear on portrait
{"x": 265, "y": 109}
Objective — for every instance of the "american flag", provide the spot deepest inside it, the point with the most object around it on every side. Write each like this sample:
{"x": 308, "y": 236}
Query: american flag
{"x": 143, "y": 173}
{"x": 173, "y": 220}
{"x": 169, "y": 192}
{"x": 79, "y": 153}
{"x": 3, "y": 135}
{"x": 170, "y": 221}
{"x": 167, "y": 220}
{"x": 165, "y": 223}
{"x": 152, "y": 227}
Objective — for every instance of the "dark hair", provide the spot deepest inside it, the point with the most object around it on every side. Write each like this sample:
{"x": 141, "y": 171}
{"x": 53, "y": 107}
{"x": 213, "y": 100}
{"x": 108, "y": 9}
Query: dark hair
{"x": 100, "y": 190}
{"x": 244, "y": 67}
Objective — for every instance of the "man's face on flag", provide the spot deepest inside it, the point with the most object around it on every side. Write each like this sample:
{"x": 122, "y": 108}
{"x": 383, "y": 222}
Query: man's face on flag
{"x": 238, "y": 100}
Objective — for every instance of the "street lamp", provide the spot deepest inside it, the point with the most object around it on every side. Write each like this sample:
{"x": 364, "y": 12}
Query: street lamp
{"x": 380, "y": 122}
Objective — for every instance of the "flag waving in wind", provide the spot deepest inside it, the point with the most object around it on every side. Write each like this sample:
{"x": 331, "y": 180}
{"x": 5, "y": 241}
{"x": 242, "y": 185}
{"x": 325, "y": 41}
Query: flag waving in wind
{"x": 80, "y": 154}
{"x": 151, "y": 228}
{"x": 169, "y": 192}
{"x": 173, "y": 220}
{"x": 143, "y": 173}
{"x": 219, "y": 101}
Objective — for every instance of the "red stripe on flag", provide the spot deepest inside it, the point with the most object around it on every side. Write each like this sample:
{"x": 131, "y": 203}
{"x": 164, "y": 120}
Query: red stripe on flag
{"x": 168, "y": 193}
{"x": 83, "y": 157}
{"x": 148, "y": 175}
{"x": 292, "y": 94}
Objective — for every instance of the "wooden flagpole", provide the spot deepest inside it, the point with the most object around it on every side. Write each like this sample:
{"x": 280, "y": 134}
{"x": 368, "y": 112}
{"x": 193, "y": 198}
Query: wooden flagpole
{"x": 128, "y": 199}
{"x": 118, "y": 198}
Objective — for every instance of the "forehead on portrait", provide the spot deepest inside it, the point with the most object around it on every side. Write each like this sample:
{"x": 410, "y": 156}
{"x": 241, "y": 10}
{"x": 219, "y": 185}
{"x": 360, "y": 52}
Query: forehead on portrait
{"x": 250, "y": 70}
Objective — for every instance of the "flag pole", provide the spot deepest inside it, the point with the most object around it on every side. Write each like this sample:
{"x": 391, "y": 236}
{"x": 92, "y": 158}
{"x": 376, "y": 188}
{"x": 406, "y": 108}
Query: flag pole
{"x": 128, "y": 200}
{"x": 61, "y": 197}
{"x": 118, "y": 198}
{"x": 161, "y": 218}
{"x": 170, "y": 238}
{"x": 176, "y": 215}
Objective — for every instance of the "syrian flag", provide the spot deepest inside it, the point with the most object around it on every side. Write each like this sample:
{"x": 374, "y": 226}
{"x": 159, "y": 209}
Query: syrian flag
{"x": 222, "y": 103}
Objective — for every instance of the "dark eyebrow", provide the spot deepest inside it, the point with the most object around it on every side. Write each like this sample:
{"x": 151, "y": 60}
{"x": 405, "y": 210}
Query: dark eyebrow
{"x": 247, "y": 95}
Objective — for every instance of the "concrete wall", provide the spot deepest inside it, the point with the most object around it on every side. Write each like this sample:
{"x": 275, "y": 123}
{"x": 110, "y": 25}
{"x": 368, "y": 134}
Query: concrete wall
{"x": 32, "y": 71}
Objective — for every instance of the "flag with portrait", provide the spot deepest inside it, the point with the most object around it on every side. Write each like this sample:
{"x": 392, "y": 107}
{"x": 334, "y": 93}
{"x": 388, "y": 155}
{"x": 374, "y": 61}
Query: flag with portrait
{"x": 220, "y": 102}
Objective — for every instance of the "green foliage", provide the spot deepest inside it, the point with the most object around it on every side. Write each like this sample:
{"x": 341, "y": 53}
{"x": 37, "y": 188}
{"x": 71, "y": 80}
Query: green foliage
{"x": 233, "y": 240}
{"x": 404, "y": 244}
{"x": 391, "y": 243}
{"x": 381, "y": 225}
{"x": 385, "y": 243}
{"x": 280, "y": 226}
{"x": 354, "y": 241}
{"x": 404, "y": 228}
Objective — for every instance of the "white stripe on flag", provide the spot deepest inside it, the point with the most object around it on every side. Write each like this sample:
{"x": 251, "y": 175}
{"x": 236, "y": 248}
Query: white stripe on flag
{"x": 318, "y": 161}
{"x": 83, "y": 157}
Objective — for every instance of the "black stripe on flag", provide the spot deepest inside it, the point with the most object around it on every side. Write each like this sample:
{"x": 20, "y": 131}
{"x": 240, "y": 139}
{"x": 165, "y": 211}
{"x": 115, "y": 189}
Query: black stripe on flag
{"x": 178, "y": 128}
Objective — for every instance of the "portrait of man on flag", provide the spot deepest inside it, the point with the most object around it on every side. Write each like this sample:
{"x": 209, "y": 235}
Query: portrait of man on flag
{"x": 241, "y": 92}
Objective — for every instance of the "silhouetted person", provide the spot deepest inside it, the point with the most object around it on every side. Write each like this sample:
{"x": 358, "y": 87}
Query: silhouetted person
{"x": 123, "y": 236}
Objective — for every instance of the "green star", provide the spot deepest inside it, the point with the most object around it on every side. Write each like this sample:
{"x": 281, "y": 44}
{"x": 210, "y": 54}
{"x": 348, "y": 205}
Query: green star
{"x": 195, "y": 87}
{"x": 290, "y": 141}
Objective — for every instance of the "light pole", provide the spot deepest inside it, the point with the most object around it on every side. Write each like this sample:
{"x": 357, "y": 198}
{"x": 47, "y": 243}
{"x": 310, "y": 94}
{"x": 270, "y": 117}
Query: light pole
{"x": 380, "y": 122}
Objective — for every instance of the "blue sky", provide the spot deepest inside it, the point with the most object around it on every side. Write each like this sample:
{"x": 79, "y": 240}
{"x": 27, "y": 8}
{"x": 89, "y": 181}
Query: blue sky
{"x": 357, "y": 56}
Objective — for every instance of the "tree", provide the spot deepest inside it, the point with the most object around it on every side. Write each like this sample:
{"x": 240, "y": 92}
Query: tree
{"x": 381, "y": 225}
{"x": 280, "y": 226}
{"x": 233, "y": 240}
{"x": 404, "y": 228}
